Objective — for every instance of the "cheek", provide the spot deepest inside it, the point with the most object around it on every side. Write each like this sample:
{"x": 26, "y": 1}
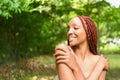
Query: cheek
{"x": 81, "y": 34}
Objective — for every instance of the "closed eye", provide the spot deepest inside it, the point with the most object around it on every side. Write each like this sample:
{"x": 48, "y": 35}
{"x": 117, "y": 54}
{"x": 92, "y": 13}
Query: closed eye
{"x": 76, "y": 28}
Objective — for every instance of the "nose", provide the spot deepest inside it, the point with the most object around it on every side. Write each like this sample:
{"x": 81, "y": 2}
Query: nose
{"x": 70, "y": 31}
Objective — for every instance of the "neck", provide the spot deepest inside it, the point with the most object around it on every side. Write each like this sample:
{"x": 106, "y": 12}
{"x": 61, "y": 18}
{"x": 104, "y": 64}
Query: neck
{"x": 82, "y": 51}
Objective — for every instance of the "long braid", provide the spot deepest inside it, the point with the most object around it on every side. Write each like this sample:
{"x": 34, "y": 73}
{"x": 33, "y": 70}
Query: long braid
{"x": 91, "y": 32}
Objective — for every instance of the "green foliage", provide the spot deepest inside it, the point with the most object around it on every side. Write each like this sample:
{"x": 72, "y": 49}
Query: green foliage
{"x": 30, "y": 35}
{"x": 30, "y": 28}
{"x": 33, "y": 27}
{"x": 7, "y": 7}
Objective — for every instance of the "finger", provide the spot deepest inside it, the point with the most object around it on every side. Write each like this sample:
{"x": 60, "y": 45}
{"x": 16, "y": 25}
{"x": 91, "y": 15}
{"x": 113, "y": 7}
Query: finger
{"x": 62, "y": 61}
{"x": 61, "y": 58}
{"x": 59, "y": 53}
{"x": 60, "y": 49}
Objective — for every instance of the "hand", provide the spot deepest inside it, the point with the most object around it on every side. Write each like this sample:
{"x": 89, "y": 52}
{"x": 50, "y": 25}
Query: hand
{"x": 105, "y": 63}
{"x": 64, "y": 54}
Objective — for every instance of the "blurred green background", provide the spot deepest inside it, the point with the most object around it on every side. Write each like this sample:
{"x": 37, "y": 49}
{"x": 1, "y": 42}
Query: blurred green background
{"x": 30, "y": 29}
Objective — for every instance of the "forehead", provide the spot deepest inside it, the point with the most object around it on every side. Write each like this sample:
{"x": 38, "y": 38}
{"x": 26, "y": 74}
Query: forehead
{"x": 75, "y": 21}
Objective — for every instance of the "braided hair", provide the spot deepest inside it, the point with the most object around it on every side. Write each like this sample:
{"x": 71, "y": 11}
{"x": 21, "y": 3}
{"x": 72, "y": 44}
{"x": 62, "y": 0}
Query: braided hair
{"x": 91, "y": 32}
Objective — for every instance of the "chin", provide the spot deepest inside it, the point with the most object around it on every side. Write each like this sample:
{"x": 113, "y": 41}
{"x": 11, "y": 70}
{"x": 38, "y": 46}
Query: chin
{"x": 72, "y": 44}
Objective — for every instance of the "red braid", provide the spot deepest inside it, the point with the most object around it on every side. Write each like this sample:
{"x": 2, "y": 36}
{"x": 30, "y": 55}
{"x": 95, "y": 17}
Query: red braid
{"x": 91, "y": 32}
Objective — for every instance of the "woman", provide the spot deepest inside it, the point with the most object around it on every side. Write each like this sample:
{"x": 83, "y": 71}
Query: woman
{"x": 79, "y": 60}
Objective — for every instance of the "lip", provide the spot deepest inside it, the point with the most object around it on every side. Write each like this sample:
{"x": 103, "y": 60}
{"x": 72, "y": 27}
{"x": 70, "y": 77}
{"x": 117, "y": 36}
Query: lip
{"x": 71, "y": 38}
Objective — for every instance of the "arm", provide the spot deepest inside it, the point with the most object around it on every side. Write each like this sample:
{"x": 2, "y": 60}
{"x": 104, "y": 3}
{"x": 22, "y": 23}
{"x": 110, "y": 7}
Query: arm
{"x": 67, "y": 64}
{"x": 96, "y": 72}
{"x": 78, "y": 74}
{"x": 64, "y": 72}
{"x": 102, "y": 75}
{"x": 99, "y": 72}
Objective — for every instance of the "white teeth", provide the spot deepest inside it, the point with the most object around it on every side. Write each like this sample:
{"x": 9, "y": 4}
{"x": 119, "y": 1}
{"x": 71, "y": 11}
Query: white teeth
{"x": 72, "y": 38}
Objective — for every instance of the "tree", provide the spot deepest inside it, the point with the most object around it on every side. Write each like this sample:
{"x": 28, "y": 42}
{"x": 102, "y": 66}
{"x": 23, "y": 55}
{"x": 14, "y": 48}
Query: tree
{"x": 33, "y": 27}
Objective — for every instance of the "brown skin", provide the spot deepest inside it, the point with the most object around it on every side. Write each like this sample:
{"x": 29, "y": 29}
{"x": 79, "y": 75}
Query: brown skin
{"x": 76, "y": 62}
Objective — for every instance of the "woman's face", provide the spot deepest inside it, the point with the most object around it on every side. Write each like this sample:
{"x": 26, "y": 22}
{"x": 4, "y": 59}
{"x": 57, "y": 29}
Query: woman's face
{"x": 76, "y": 33}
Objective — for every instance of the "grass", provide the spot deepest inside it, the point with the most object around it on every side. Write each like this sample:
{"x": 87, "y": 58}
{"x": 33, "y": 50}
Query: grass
{"x": 36, "y": 68}
{"x": 43, "y": 68}
{"x": 114, "y": 71}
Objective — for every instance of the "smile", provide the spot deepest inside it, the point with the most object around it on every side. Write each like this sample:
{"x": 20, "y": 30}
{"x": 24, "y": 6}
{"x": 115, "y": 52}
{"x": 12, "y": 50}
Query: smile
{"x": 72, "y": 38}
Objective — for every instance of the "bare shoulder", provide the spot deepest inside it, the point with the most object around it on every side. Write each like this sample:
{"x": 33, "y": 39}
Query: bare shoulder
{"x": 105, "y": 62}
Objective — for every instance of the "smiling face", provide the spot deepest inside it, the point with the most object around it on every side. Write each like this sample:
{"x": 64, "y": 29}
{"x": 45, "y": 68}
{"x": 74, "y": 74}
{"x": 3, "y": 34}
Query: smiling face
{"x": 76, "y": 33}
